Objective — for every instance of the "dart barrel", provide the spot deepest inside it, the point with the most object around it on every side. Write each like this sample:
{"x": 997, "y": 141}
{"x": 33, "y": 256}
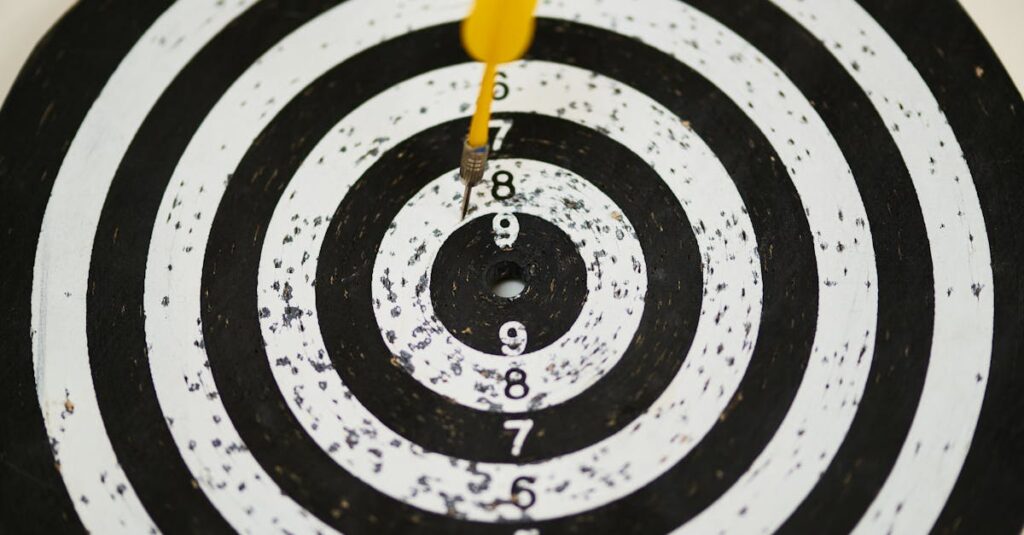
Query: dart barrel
{"x": 473, "y": 163}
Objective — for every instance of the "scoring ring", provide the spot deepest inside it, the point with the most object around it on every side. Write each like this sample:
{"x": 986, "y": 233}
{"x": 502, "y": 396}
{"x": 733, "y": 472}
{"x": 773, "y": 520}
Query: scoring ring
{"x": 930, "y": 212}
{"x": 596, "y": 335}
{"x": 341, "y": 300}
{"x": 338, "y": 323}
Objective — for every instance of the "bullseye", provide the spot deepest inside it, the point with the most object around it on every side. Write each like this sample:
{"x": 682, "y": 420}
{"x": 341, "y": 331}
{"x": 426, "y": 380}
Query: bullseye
{"x": 539, "y": 255}
{"x": 507, "y": 280}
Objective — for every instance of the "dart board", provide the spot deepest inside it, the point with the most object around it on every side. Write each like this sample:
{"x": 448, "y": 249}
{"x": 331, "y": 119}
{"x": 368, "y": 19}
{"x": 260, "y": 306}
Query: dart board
{"x": 734, "y": 267}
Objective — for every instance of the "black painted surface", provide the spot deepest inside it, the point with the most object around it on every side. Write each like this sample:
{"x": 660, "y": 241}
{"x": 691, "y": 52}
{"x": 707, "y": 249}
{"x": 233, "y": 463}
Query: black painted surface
{"x": 39, "y": 119}
{"x": 470, "y": 262}
{"x": 116, "y": 321}
{"x": 437, "y": 423}
{"x": 67, "y": 71}
{"x": 902, "y": 259}
{"x": 987, "y": 114}
{"x": 770, "y": 383}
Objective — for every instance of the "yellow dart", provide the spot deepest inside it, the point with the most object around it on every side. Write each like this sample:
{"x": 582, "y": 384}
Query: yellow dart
{"x": 496, "y": 31}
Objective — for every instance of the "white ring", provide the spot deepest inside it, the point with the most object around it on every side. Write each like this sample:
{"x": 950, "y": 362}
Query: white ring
{"x": 616, "y": 289}
{"x": 101, "y": 493}
{"x": 961, "y": 347}
{"x": 81, "y": 188}
{"x": 694, "y": 399}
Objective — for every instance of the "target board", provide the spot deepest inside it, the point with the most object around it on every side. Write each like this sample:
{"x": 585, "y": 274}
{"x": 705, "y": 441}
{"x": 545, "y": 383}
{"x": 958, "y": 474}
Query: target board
{"x": 769, "y": 254}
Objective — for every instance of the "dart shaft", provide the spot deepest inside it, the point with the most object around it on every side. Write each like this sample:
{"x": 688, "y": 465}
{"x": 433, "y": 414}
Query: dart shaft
{"x": 482, "y": 115}
{"x": 475, "y": 149}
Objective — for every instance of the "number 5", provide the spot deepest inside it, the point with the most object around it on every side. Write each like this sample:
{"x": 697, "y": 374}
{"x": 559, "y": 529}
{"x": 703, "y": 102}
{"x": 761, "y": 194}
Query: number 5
{"x": 522, "y": 428}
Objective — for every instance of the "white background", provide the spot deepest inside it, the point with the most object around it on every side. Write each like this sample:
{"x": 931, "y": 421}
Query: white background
{"x": 24, "y": 22}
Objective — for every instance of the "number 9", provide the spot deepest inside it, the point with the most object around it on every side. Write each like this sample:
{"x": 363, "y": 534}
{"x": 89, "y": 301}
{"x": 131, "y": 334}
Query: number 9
{"x": 513, "y": 338}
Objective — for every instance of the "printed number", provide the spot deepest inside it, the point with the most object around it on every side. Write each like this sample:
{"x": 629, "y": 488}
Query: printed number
{"x": 503, "y": 187}
{"x": 503, "y": 126}
{"x": 519, "y": 489}
{"x": 500, "y": 87}
{"x": 513, "y": 338}
{"x": 522, "y": 428}
{"x": 505, "y": 227}
{"x": 515, "y": 384}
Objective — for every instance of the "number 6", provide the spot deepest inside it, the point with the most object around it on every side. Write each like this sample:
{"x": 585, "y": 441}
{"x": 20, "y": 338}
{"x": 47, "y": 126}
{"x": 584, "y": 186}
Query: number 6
{"x": 519, "y": 488}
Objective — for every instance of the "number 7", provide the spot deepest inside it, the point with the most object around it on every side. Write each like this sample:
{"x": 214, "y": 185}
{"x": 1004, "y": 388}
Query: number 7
{"x": 522, "y": 428}
{"x": 503, "y": 126}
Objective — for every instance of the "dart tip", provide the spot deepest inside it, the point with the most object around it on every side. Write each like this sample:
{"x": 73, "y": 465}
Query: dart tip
{"x": 465, "y": 200}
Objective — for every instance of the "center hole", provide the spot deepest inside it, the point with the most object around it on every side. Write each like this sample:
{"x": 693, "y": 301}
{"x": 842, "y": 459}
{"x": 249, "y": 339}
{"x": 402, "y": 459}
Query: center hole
{"x": 506, "y": 279}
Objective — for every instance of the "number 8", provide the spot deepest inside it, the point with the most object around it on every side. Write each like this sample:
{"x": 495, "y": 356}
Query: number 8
{"x": 503, "y": 187}
{"x": 516, "y": 378}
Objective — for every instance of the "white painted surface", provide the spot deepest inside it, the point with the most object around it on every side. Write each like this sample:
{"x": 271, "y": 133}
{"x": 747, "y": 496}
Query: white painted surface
{"x": 822, "y": 180}
{"x": 328, "y": 412}
{"x": 61, "y": 379}
{"x": 938, "y": 441}
{"x": 405, "y": 314}
{"x": 89, "y": 466}
{"x": 24, "y": 22}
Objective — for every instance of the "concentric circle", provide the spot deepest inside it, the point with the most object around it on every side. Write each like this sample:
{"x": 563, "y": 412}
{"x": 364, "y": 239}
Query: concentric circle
{"x": 574, "y": 319}
{"x": 767, "y": 255}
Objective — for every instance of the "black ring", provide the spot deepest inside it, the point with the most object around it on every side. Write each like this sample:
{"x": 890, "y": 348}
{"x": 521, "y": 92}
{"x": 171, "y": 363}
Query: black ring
{"x": 967, "y": 102}
{"x": 116, "y": 322}
{"x": 790, "y": 293}
{"x": 469, "y": 263}
{"x": 355, "y": 345}
{"x": 985, "y": 115}
{"x": 61, "y": 76}
{"x": 280, "y": 453}
{"x": 902, "y": 258}
{"x": 278, "y": 456}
